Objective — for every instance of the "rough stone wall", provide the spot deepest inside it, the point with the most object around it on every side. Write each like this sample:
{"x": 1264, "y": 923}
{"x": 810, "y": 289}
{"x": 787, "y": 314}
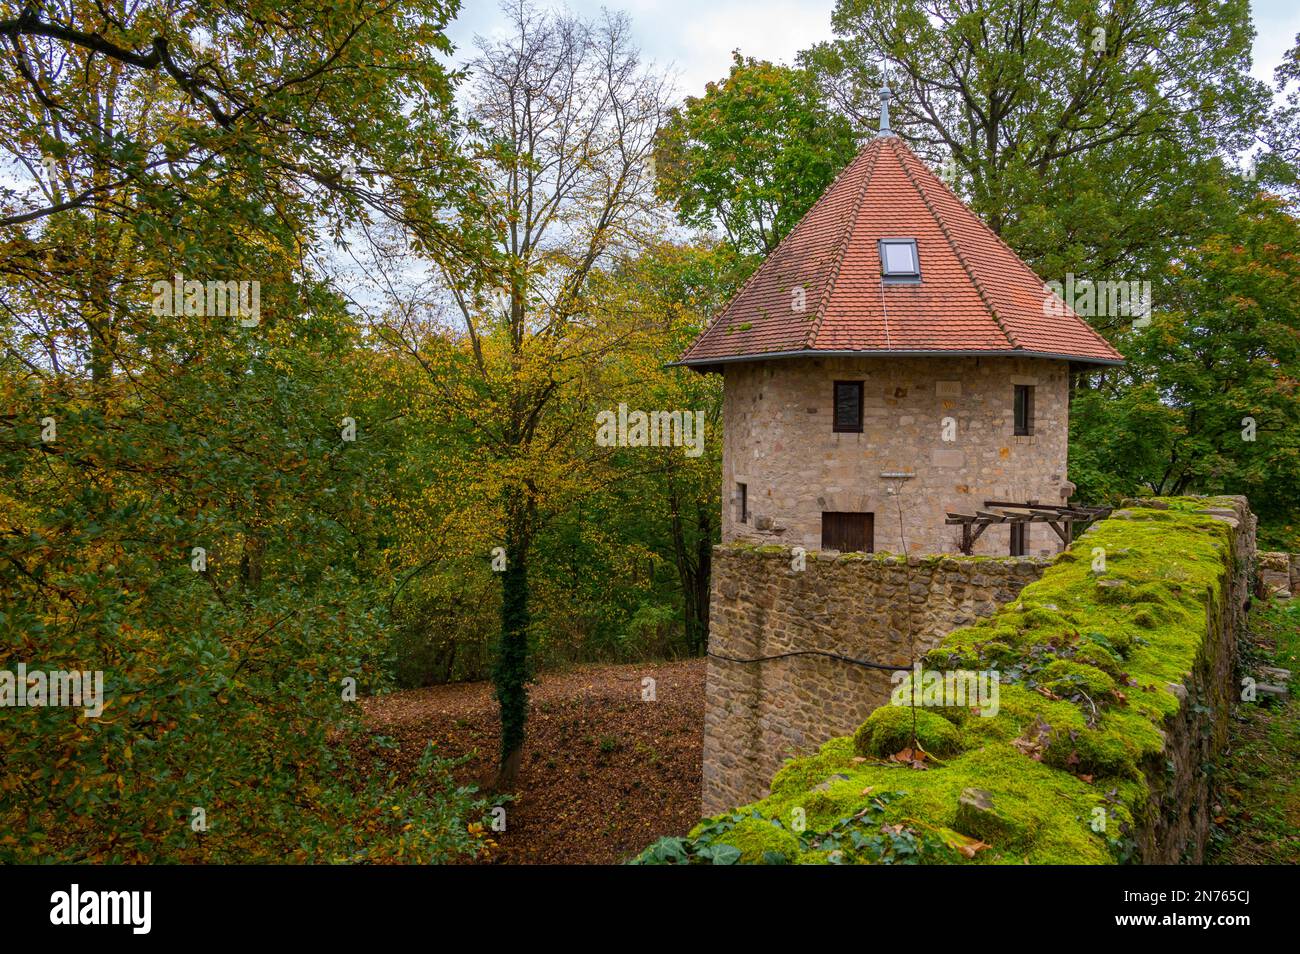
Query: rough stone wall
{"x": 778, "y": 440}
{"x": 1279, "y": 573}
{"x": 864, "y": 607}
{"x": 1176, "y": 824}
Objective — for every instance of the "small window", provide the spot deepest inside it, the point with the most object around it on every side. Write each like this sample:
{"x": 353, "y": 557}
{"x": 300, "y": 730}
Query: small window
{"x": 1019, "y": 538}
{"x": 1024, "y": 410}
{"x": 899, "y": 261}
{"x": 742, "y": 501}
{"x": 848, "y": 407}
{"x": 848, "y": 532}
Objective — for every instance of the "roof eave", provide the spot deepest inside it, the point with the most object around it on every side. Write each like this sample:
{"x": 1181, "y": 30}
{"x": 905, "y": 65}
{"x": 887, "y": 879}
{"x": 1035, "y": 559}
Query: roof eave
{"x": 705, "y": 364}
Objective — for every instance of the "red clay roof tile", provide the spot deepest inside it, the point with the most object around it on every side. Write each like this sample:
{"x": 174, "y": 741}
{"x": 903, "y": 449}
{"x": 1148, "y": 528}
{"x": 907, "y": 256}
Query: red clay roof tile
{"x": 975, "y": 294}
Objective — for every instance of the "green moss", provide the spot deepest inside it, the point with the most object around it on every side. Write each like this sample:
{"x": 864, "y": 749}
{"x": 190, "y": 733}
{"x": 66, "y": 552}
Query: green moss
{"x": 1146, "y": 619}
{"x": 981, "y": 815}
{"x": 1047, "y": 812}
{"x": 754, "y": 838}
{"x": 1041, "y": 618}
{"x": 1065, "y": 677}
{"x": 1122, "y": 639}
{"x": 889, "y": 730}
{"x": 1097, "y": 655}
{"x": 799, "y": 775}
{"x": 1109, "y": 645}
{"x": 1094, "y": 752}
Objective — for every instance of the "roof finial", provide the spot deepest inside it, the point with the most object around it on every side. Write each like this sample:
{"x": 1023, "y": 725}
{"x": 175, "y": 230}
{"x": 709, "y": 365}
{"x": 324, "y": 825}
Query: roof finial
{"x": 884, "y": 104}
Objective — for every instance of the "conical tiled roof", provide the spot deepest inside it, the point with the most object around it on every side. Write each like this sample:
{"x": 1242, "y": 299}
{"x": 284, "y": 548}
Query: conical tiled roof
{"x": 975, "y": 296}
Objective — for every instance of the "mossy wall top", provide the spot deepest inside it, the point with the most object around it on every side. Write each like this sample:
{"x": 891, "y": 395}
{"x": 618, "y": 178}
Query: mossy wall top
{"x": 1116, "y": 676}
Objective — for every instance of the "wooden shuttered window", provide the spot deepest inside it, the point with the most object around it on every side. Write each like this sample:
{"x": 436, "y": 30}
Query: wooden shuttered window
{"x": 848, "y": 407}
{"x": 848, "y": 532}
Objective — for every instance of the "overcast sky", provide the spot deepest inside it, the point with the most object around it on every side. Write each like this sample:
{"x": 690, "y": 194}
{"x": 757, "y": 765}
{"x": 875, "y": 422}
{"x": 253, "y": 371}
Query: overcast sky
{"x": 696, "y": 37}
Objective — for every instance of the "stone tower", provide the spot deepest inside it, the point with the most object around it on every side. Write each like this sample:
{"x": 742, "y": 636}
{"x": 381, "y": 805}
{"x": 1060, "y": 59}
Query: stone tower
{"x": 893, "y": 361}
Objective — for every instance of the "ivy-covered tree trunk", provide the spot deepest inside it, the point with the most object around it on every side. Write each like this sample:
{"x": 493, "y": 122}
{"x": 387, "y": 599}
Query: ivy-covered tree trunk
{"x": 701, "y": 584}
{"x": 510, "y": 674}
{"x": 694, "y": 566}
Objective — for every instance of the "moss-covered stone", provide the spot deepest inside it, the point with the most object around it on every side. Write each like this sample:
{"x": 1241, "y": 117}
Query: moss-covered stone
{"x": 1097, "y": 655}
{"x": 979, "y": 817}
{"x": 889, "y": 730}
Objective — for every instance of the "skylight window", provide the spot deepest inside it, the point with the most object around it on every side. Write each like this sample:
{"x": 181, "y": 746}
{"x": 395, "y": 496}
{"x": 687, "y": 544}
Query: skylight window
{"x": 898, "y": 260}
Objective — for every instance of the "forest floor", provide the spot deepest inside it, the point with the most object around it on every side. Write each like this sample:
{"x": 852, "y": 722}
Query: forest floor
{"x": 1257, "y": 788}
{"x": 604, "y": 773}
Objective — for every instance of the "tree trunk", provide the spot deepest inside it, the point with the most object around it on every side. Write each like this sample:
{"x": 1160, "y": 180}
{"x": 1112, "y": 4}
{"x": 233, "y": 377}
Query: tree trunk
{"x": 698, "y": 597}
{"x": 510, "y": 674}
{"x": 693, "y": 571}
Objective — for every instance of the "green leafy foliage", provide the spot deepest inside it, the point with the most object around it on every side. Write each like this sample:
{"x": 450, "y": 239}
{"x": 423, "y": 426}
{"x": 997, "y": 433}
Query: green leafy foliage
{"x": 1210, "y": 401}
{"x": 865, "y": 837}
{"x": 182, "y": 508}
{"x": 752, "y": 154}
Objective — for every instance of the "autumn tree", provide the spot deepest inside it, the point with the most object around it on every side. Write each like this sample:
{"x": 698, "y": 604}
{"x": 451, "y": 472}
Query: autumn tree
{"x": 184, "y": 505}
{"x": 673, "y": 289}
{"x": 1210, "y": 400}
{"x": 565, "y": 117}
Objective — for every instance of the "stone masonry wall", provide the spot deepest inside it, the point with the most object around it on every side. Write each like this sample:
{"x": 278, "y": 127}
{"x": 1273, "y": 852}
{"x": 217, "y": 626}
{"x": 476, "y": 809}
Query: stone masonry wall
{"x": 861, "y": 606}
{"x": 779, "y": 442}
{"x": 1279, "y": 573}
